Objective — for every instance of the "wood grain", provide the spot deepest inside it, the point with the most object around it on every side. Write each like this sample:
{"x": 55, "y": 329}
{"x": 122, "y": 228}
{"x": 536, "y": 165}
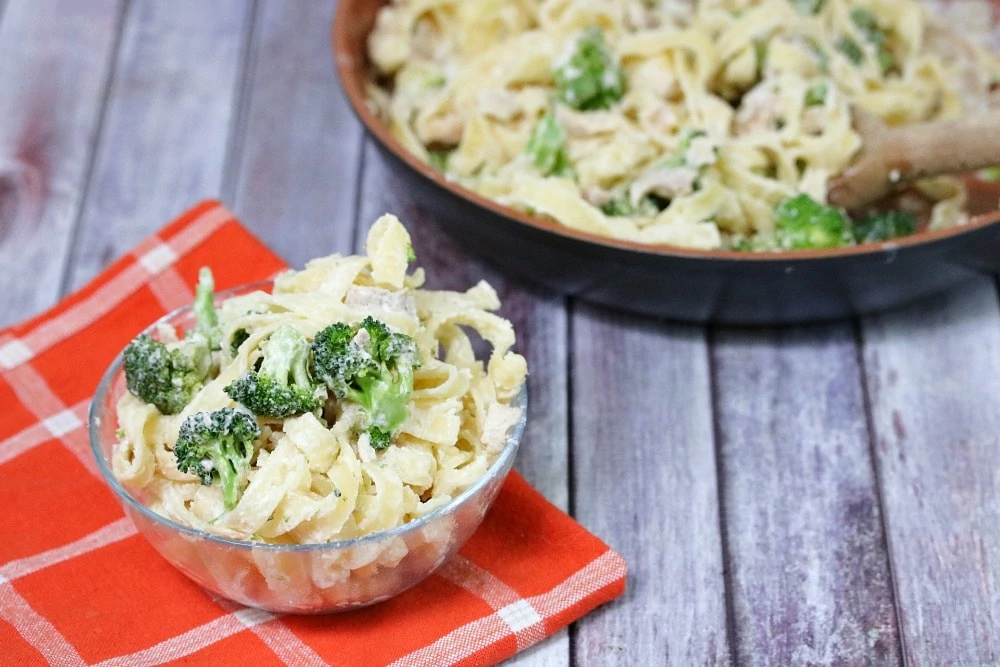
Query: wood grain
{"x": 300, "y": 151}
{"x": 55, "y": 58}
{"x": 166, "y": 127}
{"x": 540, "y": 322}
{"x": 644, "y": 481}
{"x": 933, "y": 378}
{"x": 808, "y": 572}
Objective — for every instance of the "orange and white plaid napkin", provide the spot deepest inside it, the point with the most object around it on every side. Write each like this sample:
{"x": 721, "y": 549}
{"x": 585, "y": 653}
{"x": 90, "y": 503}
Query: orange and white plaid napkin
{"x": 79, "y": 586}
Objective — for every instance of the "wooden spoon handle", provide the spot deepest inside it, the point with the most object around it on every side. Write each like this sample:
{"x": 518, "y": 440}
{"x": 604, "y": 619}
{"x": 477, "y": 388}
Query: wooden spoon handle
{"x": 893, "y": 156}
{"x": 944, "y": 147}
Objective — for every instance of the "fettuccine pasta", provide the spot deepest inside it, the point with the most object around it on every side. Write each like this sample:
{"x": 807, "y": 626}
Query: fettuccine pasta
{"x": 318, "y": 475}
{"x": 663, "y": 122}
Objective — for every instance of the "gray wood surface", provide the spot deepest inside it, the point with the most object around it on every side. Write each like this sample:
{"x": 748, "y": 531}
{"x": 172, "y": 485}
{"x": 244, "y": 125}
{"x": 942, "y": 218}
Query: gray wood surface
{"x": 166, "y": 127}
{"x": 55, "y": 56}
{"x": 296, "y": 136}
{"x": 805, "y": 496}
{"x": 809, "y": 577}
{"x": 644, "y": 479}
{"x": 933, "y": 377}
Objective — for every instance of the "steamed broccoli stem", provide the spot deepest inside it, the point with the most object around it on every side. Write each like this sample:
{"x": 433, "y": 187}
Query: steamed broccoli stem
{"x": 218, "y": 445}
{"x": 239, "y": 337}
{"x": 590, "y": 78}
{"x": 547, "y": 147}
{"x": 801, "y": 222}
{"x": 371, "y": 366}
{"x": 281, "y": 387}
{"x": 167, "y": 376}
{"x": 884, "y": 225}
{"x": 206, "y": 317}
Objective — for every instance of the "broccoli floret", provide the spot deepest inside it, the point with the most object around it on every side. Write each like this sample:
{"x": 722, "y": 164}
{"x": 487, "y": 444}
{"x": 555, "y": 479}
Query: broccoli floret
{"x": 547, "y": 147}
{"x": 206, "y": 317}
{"x": 439, "y": 160}
{"x": 884, "y": 225}
{"x": 590, "y": 78}
{"x": 218, "y": 445}
{"x": 876, "y": 36}
{"x": 167, "y": 376}
{"x": 990, "y": 174}
{"x": 816, "y": 94}
{"x": 850, "y": 49}
{"x": 802, "y": 222}
{"x": 282, "y": 386}
{"x": 371, "y": 366}
{"x": 621, "y": 206}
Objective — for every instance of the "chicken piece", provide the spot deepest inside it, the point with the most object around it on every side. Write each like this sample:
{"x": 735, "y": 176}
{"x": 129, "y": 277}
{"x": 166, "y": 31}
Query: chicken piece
{"x": 499, "y": 420}
{"x": 759, "y": 111}
{"x": 379, "y": 299}
{"x": 579, "y": 124}
{"x": 389, "y": 44}
{"x": 499, "y": 104}
{"x": 597, "y": 195}
{"x": 442, "y": 129}
{"x": 813, "y": 120}
{"x": 700, "y": 153}
{"x": 669, "y": 183}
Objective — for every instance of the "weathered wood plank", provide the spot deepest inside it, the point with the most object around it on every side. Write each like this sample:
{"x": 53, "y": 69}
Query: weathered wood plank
{"x": 645, "y": 481}
{"x": 300, "y": 153}
{"x": 55, "y": 58}
{"x": 933, "y": 377}
{"x": 166, "y": 128}
{"x": 808, "y": 566}
{"x": 540, "y": 321}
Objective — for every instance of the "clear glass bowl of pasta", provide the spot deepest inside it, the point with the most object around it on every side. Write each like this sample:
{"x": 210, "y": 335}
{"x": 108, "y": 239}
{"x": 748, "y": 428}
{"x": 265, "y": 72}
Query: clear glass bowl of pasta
{"x": 299, "y": 578}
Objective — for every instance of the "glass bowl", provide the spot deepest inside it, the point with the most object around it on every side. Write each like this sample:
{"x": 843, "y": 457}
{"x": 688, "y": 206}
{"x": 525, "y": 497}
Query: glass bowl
{"x": 306, "y": 578}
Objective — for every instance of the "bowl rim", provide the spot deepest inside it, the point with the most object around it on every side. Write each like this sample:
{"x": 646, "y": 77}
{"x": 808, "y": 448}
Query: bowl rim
{"x": 503, "y": 462}
{"x": 354, "y": 89}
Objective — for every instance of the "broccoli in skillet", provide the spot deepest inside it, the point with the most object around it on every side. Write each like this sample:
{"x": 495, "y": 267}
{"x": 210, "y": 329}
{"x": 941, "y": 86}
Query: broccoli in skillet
{"x": 218, "y": 445}
{"x": 801, "y": 222}
{"x": 371, "y": 366}
{"x": 282, "y": 386}
{"x": 547, "y": 147}
{"x": 884, "y": 225}
{"x": 590, "y": 78}
{"x": 168, "y": 375}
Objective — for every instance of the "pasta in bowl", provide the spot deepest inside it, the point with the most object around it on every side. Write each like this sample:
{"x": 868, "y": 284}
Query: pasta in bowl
{"x": 317, "y": 443}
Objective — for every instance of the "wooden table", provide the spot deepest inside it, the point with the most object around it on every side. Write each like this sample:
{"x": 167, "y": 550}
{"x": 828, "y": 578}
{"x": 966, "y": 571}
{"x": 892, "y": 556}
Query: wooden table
{"x": 813, "y": 495}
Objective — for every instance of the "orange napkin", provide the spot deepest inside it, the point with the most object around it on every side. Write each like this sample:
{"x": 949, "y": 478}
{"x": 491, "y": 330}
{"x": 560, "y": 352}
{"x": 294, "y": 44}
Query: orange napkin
{"x": 79, "y": 586}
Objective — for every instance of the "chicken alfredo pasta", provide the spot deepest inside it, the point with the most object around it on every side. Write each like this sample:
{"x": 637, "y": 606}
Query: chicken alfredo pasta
{"x": 346, "y": 402}
{"x": 662, "y": 122}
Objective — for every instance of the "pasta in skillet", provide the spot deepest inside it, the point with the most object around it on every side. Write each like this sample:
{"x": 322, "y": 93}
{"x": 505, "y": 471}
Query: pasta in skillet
{"x": 346, "y": 402}
{"x": 664, "y": 122}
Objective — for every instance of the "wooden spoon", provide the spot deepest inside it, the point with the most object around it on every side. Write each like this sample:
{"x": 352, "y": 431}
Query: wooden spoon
{"x": 894, "y": 156}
